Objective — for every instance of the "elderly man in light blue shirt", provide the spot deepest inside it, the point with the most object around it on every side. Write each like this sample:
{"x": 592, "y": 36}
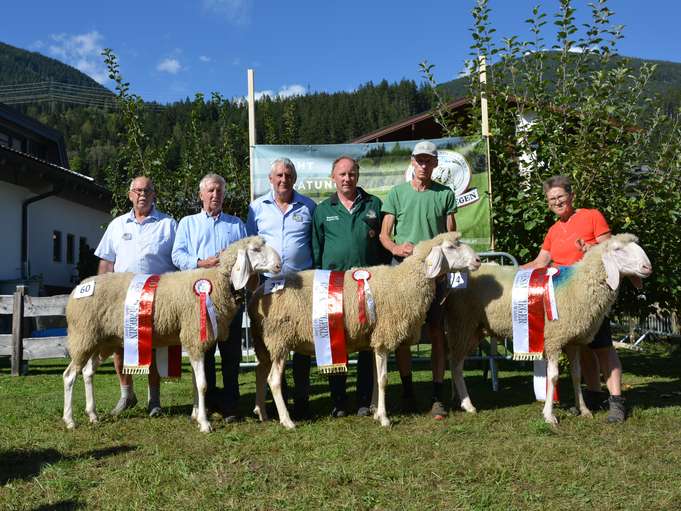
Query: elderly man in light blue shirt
{"x": 284, "y": 218}
{"x": 140, "y": 241}
{"x": 200, "y": 239}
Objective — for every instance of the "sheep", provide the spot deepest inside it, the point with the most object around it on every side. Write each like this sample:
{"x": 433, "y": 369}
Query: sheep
{"x": 282, "y": 321}
{"x": 584, "y": 294}
{"x": 95, "y": 323}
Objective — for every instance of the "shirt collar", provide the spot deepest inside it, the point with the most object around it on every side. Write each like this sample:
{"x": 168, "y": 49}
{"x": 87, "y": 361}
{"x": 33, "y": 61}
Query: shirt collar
{"x": 208, "y": 216}
{"x": 152, "y": 214}
{"x": 359, "y": 198}
{"x": 295, "y": 198}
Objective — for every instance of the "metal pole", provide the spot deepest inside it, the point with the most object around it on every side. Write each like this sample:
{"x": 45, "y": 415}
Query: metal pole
{"x": 251, "y": 128}
{"x": 486, "y": 135}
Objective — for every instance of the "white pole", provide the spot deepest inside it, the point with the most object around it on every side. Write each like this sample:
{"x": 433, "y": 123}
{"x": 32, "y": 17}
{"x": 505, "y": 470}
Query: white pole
{"x": 485, "y": 133}
{"x": 251, "y": 128}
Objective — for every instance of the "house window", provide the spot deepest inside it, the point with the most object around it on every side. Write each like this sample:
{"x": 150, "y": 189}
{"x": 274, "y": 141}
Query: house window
{"x": 70, "y": 248}
{"x": 56, "y": 246}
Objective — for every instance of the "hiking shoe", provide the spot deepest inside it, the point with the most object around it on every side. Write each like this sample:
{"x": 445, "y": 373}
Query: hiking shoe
{"x": 363, "y": 411}
{"x": 154, "y": 410}
{"x": 338, "y": 412}
{"x": 438, "y": 411}
{"x": 124, "y": 404}
{"x": 618, "y": 409}
{"x": 595, "y": 400}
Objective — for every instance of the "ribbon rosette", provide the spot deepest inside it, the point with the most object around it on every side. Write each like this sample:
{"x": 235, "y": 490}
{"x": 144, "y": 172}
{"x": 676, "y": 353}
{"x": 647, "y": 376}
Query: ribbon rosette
{"x": 367, "y": 306}
{"x": 202, "y": 289}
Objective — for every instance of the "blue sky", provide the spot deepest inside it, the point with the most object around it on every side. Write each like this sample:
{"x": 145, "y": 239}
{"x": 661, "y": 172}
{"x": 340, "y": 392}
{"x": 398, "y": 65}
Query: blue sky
{"x": 172, "y": 49}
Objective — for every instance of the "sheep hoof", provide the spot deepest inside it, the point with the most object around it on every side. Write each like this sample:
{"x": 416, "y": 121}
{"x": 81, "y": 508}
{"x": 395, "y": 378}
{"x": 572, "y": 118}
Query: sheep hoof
{"x": 551, "y": 419}
{"x": 585, "y": 412}
{"x": 70, "y": 424}
{"x": 385, "y": 422}
{"x": 93, "y": 419}
{"x": 195, "y": 413}
{"x": 205, "y": 427}
{"x": 261, "y": 415}
{"x": 288, "y": 424}
{"x": 468, "y": 407}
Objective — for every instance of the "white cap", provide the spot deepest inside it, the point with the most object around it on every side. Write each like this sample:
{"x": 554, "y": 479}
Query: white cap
{"x": 425, "y": 147}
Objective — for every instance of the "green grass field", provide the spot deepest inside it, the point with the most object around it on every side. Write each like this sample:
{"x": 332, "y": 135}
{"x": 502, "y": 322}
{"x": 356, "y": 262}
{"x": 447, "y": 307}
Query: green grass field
{"x": 504, "y": 457}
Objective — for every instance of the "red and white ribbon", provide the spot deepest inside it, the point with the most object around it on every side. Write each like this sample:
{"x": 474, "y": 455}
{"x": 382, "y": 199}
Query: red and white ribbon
{"x": 550, "y": 295}
{"x": 138, "y": 324}
{"x": 169, "y": 361}
{"x": 365, "y": 299}
{"x": 540, "y": 382}
{"x": 327, "y": 322}
{"x": 202, "y": 289}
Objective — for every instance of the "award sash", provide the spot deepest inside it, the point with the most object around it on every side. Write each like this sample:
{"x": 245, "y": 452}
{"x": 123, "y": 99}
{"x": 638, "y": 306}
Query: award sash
{"x": 327, "y": 322}
{"x": 169, "y": 361}
{"x": 138, "y": 324}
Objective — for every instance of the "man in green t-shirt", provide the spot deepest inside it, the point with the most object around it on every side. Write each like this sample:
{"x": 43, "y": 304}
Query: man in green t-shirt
{"x": 345, "y": 230}
{"x": 415, "y": 211}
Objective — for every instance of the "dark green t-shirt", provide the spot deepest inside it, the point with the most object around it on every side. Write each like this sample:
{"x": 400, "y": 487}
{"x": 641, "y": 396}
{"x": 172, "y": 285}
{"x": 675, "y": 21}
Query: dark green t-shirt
{"x": 419, "y": 215}
{"x": 342, "y": 239}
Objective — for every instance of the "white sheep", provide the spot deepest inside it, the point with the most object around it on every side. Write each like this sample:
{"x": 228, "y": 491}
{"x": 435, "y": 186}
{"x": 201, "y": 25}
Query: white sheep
{"x": 95, "y": 323}
{"x": 584, "y": 294}
{"x": 282, "y": 321}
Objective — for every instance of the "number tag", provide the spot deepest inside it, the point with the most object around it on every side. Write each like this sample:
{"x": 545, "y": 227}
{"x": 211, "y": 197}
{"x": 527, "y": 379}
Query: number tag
{"x": 86, "y": 289}
{"x": 273, "y": 285}
{"x": 458, "y": 280}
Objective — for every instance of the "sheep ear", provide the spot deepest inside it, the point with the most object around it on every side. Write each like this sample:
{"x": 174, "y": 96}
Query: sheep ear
{"x": 435, "y": 262}
{"x": 612, "y": 271}
{"x": 241, "y": 271}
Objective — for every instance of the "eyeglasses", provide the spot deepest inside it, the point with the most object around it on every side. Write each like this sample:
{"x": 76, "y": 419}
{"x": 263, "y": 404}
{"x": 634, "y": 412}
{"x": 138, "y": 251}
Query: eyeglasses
{"x": 558, "y": 198}
{"x": 140, "y": 191}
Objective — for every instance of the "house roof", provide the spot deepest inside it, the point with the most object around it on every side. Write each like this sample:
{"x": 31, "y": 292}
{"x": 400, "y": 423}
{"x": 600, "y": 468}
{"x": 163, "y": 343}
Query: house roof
{"x": 416, "y": 127}
{"x": 40, "y": 176}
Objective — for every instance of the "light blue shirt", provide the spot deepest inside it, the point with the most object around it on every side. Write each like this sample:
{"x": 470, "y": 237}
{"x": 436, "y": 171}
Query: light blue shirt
{"x": 139, "y": 247}
{"x": 201, "y": 236}
{"x": 290, "y": 233}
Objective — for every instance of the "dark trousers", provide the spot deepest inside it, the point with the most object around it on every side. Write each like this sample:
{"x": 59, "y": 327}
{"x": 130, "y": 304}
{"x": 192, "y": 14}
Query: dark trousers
{"x": 230, "y": 358}
{"x": 365, "y": 383}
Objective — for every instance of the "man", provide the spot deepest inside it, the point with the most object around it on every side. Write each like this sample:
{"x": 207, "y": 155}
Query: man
{"x": 200, "y": 239}
{"x": 284, "y": 218}
{"x": 140, "y": 241}
{"x": 415, "y": 211}
{"x": 575, "y": 231}
{"x": 345, "y": 235}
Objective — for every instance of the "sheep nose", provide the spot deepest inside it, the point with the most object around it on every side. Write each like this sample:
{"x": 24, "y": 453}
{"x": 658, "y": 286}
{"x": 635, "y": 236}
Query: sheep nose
{"x": 647, "y": 269}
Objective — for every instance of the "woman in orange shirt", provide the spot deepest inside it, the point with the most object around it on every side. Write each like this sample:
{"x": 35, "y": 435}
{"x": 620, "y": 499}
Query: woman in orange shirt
{"x": 575, "y": 231}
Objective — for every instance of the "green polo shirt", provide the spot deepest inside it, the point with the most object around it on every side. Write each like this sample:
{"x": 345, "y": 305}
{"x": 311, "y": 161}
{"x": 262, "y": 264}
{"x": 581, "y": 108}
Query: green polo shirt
{"x": 419, "y": 215}
{"x": 342, "y": 239}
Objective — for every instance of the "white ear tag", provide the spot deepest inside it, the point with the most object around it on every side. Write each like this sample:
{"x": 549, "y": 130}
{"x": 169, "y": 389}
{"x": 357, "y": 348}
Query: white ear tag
{"x": 457, "y": 280}
{"x": 273, "y": 285}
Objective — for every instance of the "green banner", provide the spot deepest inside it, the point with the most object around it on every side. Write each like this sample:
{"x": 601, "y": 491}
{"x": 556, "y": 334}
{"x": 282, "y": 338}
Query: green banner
{"x": 462, "y": 167}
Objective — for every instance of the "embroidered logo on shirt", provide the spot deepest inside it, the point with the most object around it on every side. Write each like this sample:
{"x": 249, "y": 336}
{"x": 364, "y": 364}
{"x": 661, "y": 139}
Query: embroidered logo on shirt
{"x": 371, "y": 214}
{"x": 127, "y": 236}
{"x": 297, "y": 217}
{"x": 331, "y": 218}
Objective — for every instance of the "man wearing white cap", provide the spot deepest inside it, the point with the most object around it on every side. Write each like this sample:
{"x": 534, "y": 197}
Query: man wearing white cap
{"x": 415, "y": 211}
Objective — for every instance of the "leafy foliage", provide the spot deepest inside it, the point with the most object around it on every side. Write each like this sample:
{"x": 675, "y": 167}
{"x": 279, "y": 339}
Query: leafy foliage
{"x": 576, "y": 108}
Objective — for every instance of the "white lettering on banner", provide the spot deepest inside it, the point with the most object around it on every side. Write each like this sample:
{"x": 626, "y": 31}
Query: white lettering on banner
{"x": 84, "y": 290}
{"x": 130, "y": 321}
{"x": 320, "y": 317}
{"x": 519, "y": 303}
{"x": 467, "y": 198}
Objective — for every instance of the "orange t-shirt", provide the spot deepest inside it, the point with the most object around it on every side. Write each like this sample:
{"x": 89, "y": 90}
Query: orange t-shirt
{"x": 561, "y": 240}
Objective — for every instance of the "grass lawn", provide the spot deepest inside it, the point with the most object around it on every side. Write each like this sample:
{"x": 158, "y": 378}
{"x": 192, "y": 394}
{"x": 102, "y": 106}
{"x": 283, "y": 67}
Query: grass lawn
{"x": 504, "y": 457}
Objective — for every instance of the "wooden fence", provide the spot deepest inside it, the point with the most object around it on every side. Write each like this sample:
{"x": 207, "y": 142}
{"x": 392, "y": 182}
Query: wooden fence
{"x": 22, "y": 348}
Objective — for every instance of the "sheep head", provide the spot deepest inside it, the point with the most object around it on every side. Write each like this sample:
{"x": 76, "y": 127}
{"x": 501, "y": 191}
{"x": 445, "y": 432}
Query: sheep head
{"x": 252, "y": 256}
{"x": 448, "y": 253}
{"x": 621, "y": 255}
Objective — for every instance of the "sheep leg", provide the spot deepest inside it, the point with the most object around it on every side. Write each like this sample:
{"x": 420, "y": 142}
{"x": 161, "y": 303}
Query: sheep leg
{"x": 380, "y": 414}
{"x": 551, "y": 382}
{"x": 261, "y": 371}
{"x": 461, "y": 389}
{"x": 201, "y": 386}
{"x": 274, "y": 379}
{"x": 576, "y": 374}
{"x": 88, "y": 374}
{"x": 374, "y": 390}
{"x": 70, "y": 375}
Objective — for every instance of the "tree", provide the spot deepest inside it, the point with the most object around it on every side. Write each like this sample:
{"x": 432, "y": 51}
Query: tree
{"x": 590, "y": 119}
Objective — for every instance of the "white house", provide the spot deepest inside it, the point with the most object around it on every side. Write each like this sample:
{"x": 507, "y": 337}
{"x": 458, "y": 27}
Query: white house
{"x": 46, "y": 210}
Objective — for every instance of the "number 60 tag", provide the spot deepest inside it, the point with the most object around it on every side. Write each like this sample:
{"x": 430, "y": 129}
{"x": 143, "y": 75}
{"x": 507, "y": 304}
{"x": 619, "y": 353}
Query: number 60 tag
{"x": 86, "y": 289}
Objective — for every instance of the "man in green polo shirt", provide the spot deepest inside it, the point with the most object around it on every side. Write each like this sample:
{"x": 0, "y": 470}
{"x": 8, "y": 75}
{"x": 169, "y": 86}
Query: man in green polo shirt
{"x": 345, "y": 230}
{"x": 415, "y": 211}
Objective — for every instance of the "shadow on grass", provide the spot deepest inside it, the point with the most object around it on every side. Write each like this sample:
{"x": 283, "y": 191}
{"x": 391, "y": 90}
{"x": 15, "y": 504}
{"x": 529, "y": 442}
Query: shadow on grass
{"x": 64, "y": 505}
{"x": 26, "y": 464}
